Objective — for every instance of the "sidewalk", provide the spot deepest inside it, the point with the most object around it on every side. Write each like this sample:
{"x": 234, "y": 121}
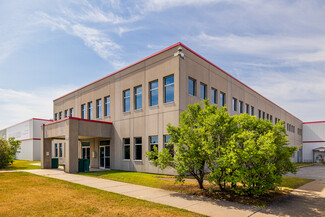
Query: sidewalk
{"x": 189, "y": 202}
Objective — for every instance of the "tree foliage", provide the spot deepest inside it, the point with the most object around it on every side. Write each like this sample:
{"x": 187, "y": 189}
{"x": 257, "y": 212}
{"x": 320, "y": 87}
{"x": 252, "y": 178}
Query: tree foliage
{"x": 8, "y": 150}
{"x": 239, "y": 153}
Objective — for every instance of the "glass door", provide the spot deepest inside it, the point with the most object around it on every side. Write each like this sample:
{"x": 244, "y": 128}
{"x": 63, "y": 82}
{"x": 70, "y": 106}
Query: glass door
{"x": 104, "y": 154}
{"x": 86, "y": 153}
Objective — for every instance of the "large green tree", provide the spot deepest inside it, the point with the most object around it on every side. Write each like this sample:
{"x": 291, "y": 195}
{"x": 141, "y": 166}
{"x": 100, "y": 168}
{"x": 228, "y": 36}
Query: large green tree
{"x": 240, "y": 153}
{"x": 8, "y": 150}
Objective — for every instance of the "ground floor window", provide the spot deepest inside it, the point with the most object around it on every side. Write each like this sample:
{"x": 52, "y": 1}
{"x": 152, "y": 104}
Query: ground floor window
{"x": 60, "y": 150}
{"x": 56, "y": 150}
{"x": 104, "y": 154}
{"x": 126, "y": 148}
{"x": 138, "y": 148}
{"x": 170, "y": 147}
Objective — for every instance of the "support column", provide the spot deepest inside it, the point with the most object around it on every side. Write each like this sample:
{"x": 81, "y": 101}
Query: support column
{"x": 46, "y": 151}
{"x": 71, "y": 143}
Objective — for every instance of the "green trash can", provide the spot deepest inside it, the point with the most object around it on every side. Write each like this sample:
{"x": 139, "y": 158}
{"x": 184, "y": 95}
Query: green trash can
{"x": 55, "y": 163}
{"x": 86, "y": 165}
{"x": 81, "y": 167}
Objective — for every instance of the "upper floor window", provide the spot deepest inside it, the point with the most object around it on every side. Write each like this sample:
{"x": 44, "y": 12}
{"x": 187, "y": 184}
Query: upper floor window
{"x": 138, "y": 97}
{"x": 222, "y": 99}
{"x": 246, "y": 108}
{"x": 60, "y": 115}
{"x": 66, "y": 113}
{"x": 56, "y": 116}
{"x": 191, "y": 86}
{"x": 126, "y": 100}
{"x": 271, "y": 118}
{"x": 71, "y": 112}
{"x": 241, "y": 107}
{"x": 90, "y": 110}
{"x": 169, "y": 89}
{"x": 214, "y": 96}
{"x": 263, "y": 115}
{"x": 153, "y": 93}
{"x": 107, "y": 101}
{"x": 252, "y": 110}
{"x": 83, "y": 111}
{"x": 203, "y": 91}
{"x": 234, "y": 104}
{"x": 267, "y": 116}
{"x": 99, "y": 108}
{"x": 259, "y": 114}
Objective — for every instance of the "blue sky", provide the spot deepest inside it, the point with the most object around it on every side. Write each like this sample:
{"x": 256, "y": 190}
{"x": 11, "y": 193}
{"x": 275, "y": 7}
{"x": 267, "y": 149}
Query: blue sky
{"x": 48, "y": 48}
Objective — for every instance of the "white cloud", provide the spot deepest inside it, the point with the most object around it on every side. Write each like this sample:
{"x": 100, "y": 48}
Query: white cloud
{"x": 17, "y": 106}
{"x": 303, "y": 49}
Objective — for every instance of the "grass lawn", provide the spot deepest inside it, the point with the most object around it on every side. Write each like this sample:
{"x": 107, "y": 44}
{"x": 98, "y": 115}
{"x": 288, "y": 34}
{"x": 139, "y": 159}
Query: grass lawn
{"x": 24, "y": 194}
{"x": 190, "y": 186}
{"x": 23, "y": 165}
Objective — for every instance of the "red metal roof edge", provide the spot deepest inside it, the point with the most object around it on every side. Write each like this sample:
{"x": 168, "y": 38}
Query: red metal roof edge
{"x": 26, "y": 121}
{"x": 313, "y": 141}
{"x": 174, "y": 45}
{"x": 80, "y": 119}
{"x": 313, "y": 122}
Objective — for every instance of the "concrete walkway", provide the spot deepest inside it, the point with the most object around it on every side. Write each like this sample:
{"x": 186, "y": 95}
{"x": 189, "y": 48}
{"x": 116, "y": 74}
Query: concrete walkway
{"x": 308, "y": 200}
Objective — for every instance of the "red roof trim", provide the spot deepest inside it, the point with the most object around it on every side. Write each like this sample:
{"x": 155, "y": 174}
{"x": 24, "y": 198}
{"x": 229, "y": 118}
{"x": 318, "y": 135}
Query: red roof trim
{"x": 29, "y": 139}
{"x": 172, "y": 46}
{"x": 80, "y": 119}
{"x": 314, "y": 122}
{"x": 152, "y": 55}
{"x": 313, "y": 141}
{"x": 28, "y": 120}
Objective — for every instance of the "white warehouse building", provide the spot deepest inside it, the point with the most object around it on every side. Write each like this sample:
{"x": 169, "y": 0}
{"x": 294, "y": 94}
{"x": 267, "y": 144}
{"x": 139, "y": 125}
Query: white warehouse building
{"x": 313, "y": 148}
{"x": 29, "y": 133}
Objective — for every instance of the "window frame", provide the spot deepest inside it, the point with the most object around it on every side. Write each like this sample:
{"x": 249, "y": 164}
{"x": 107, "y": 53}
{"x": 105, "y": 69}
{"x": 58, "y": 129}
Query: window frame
{"x": 246, "y": 108}
{"x": 60, "y": 115}
{"x": 125, "y": 99}
{"x": 168, "y": 86}
{"x": 129, "y": 147}
{"x": 99, "y": 108}
{"x": 151, "y": 90}
{"x": 83, "y": 111}
{"x": 90, "y": 110}
{"x": 136, "y": 146}
{"x": 71, "y": 112}
{"x": 222, "y": 99}
{"x": 214, "y": 99}
{"x": 204, "y": 90}
{"x": 66, "y": 113}
{"x": 107, "y": 106}
{"x": 234, "y": 104}
{"x": 194, "y": 86}
{"x": 136, "y": 99}
{"x": 171, "y": 148}
{"x": 240, "y": 107}
{"x": 252, "y": 110}
{"x": 60, "y": 150}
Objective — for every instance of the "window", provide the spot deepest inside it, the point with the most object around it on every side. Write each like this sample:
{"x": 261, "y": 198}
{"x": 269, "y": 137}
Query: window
{"x": 56, "y": 151}
{"x": 263, "y": 115}
{"x": 246, "y": 108}
{"x": 267, "y": 116}
{"x": 214, "y": 95}
{"x": 252, "y": 110}
{"x": 259, "y": 114}
{"x": 203, "y": 91}
{"x": 90, "y": 110}
{"x": 153, "y": 142}
{"x": 153, "y": 93}
{"x": 60, "y": 115}
{"x": 71, "y": 112}
{"x": 83, "y": 111}
{"x": 241, "y": 105}
{"x": 138, "y": 148}
{"x": 138, "y": 97}
{"x": 107, "y": 110}
{"x": 56, "y": 116}
{"x": 222, "y": 99}
{"x": 66, "y": 113}
{"x": 276, "y": 120}
{"x": 191, "y": 87}
{"x": 271, "y": 118}
{"x": 126, "y": 100}
{"x": 61, "y": 150}
{"x": 169, "y": 89}
{"x": 170, "y": 147}
{"x": 99, "y": 108}
{"x": 127, "y": 150}
{"x": 234, "y": 104}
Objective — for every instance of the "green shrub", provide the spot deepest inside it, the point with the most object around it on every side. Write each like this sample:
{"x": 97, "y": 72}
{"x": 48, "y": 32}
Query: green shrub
{"x": 8, "y": 151}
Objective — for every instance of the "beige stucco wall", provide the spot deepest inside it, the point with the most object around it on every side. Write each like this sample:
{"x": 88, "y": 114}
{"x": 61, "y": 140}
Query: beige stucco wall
{"x": 152, "y": 121}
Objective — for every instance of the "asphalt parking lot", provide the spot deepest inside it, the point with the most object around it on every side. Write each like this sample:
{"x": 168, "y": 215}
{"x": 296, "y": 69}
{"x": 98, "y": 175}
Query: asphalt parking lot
{"x": 316, "y": 172}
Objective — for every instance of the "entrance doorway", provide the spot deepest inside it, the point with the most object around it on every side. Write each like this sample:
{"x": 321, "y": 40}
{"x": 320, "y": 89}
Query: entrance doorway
{"x": 104, "y": 154}
{"x": 85, "y": 150}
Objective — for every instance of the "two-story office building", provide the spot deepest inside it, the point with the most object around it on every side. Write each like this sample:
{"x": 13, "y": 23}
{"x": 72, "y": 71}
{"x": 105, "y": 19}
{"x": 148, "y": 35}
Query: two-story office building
{"x": 116, "y": 119}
